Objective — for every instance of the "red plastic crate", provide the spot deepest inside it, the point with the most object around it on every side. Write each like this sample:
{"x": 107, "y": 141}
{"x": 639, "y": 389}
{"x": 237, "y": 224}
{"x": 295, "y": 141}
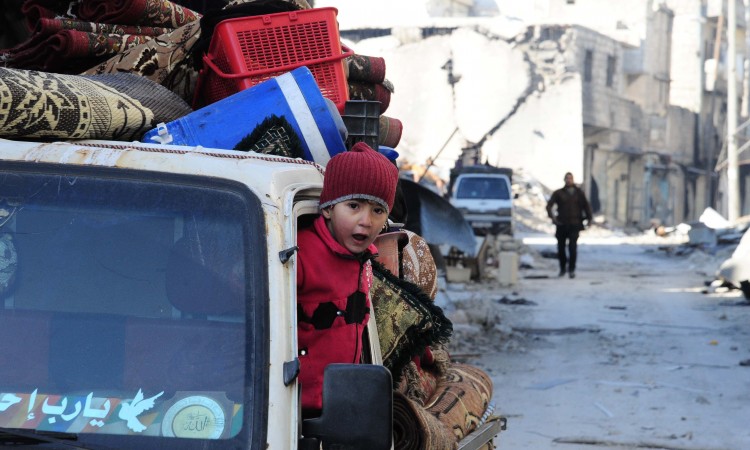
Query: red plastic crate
{"x": 248, "y": 50}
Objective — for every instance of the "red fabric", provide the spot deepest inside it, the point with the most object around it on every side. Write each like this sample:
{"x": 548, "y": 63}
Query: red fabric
{"x": 428, "y": 358}
{"x": 366, "y": 68}
{"x": 67, "y": 51}
{"x": 326, "y": 272}
{"x": 363, "y": 90}
{"x": 68, "y": 38}
{"x": 34, "y": 10}
{"x": 359, "y": 173}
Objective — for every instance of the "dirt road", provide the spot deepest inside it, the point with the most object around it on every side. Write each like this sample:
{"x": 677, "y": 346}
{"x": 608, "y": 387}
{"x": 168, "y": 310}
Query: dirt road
{"x": 630, "y": 354}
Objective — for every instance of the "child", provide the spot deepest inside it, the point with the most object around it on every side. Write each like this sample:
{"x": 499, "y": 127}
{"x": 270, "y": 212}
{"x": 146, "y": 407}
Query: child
{"x": 334, "y": 273}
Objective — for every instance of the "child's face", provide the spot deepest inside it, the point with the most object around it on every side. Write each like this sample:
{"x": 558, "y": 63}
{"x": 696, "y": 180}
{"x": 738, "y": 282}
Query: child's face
{"x": 355, "y": 223}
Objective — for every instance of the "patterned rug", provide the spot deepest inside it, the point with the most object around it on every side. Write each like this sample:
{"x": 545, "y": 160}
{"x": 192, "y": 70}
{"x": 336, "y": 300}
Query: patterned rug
{"x": 121, "y": 107}
{"x": 456, "y": 408}
{"x": 166, "y": 60}
{"x": 408, "y": 321}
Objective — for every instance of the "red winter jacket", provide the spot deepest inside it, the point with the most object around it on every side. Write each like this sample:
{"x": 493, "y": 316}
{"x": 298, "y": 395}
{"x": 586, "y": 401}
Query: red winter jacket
{"x": 331, "y": 316}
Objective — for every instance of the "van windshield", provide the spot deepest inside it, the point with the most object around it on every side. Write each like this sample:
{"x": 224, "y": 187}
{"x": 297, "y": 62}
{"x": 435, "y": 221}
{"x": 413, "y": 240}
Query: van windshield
{"x": 127, "y": 308}
{"x": 485, "y": 188}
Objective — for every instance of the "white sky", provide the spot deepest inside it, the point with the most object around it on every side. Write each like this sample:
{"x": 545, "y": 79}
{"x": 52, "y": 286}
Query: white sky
{"x": 383, "y": 13}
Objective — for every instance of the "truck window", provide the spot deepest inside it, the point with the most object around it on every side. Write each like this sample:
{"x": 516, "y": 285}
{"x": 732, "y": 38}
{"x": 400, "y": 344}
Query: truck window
{"x": 483, "y": 188}
{"x": 132, "y": 310}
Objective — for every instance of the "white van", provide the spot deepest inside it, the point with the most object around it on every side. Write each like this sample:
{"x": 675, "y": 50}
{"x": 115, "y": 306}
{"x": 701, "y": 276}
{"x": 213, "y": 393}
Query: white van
{"x": 486, "y": 201}
{"x": 149, "y": 301}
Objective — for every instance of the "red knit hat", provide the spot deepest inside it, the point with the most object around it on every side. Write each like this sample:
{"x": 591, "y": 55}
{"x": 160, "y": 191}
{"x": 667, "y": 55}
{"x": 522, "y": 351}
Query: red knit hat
{"x": 360, "y": 173}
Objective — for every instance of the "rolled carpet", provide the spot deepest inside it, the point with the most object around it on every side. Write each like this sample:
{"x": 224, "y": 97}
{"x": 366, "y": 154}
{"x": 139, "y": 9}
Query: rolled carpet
{"x": 461, "y": 399}
{"x": 362, "y": 90}
{"x": 114, "y": 106}
{"x": 389, "y": 133}
{"x": 456, "y": 408}
{"x": 366, "y": 68}
{"x": 414, "y": 428}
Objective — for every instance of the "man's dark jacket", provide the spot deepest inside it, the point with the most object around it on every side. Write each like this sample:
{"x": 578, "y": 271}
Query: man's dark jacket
{"x": 572, "y": 208}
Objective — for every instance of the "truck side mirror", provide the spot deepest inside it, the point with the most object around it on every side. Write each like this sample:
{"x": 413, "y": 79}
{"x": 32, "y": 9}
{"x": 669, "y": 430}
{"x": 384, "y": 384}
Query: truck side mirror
{"x": 357, "y": 408}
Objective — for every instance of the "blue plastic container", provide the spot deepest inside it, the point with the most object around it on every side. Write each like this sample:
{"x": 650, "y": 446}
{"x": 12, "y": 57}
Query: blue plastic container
{"x": 294, "y": 95}
{"x": 388, "y": 152}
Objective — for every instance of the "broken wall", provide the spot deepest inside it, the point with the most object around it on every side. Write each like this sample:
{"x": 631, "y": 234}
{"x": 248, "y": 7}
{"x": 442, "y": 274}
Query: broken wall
{"x": 464, "y": 81}
{"x": 545, "y": 136}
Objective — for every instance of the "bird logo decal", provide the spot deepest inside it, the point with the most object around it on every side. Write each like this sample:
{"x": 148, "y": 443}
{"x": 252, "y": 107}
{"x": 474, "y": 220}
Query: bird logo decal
{"x": 129, "y": 411}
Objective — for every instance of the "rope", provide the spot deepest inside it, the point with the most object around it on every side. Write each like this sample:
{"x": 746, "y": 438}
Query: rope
{"x": 317, "y": 166}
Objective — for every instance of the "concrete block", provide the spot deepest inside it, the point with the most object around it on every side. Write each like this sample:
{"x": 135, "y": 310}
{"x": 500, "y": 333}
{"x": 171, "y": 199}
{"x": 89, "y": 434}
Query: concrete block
{"x": 455, "y": 274}
{"x": 508, "y": 271}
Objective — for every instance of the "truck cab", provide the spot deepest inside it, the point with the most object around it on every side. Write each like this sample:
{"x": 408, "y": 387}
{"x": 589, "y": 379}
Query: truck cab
{"x": 149, "y": 301}
{"x": 485, "y": 199}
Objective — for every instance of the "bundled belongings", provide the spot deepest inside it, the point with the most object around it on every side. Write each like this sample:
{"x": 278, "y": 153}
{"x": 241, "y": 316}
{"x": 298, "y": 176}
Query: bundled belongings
{"x": 173, "y": 59}
{"x": 366, "y": 82}
{"x": 437, "y": 402}
{"x": 116, "y": 106}
{"x": 310, "y": 122}
{"x": 67, "y": 37}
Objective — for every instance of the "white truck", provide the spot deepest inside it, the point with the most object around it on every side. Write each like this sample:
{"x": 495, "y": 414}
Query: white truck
{"x": 483, "y": 195}
{"x": 148, "y": 301}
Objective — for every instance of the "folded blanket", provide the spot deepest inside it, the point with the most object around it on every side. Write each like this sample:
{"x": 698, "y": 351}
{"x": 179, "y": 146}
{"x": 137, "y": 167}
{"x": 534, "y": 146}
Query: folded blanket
{"x": 370, "y": 69}
{"x": 68, "y": 36}
{"x": 165, "y": 59}
{"x": 119, "y": 107}
{"x": 389, "y": 131}
{"x": 129, "y": 12}
{"x": 66, "y": 51}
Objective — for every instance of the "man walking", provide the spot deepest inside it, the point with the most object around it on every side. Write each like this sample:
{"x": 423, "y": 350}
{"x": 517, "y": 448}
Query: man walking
{"x": 572, "y": 210}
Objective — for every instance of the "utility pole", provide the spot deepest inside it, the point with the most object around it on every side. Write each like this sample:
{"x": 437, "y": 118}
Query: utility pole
{"x": 733, "y": 185}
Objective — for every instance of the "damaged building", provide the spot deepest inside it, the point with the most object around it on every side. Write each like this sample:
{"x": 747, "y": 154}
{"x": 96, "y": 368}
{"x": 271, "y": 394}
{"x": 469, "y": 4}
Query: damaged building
{"x": 629, "y": 96}
{"x": 654, "y": 100}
